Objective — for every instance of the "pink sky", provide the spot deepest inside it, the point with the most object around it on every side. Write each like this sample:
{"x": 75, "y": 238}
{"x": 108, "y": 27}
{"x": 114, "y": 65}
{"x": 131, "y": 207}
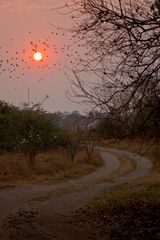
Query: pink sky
{"x": 23, "y": 22}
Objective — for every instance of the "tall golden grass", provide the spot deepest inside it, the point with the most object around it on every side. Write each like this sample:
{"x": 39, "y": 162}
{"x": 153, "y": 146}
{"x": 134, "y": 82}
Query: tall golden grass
{"x": 51, "y": 165}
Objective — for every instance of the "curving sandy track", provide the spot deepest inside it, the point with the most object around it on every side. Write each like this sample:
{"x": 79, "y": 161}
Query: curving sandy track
{"x": 44, "y": 211}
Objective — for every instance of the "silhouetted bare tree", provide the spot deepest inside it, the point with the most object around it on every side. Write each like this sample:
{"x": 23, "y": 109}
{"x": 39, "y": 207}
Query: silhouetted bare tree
{"x": 122, "y": 40}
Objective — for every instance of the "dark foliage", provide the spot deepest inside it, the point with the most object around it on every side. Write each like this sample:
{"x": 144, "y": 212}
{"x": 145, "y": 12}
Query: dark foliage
{"x": 27, "y": 129}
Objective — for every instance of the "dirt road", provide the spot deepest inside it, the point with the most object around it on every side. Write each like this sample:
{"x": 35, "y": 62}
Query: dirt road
{"x": 44, "y": 212}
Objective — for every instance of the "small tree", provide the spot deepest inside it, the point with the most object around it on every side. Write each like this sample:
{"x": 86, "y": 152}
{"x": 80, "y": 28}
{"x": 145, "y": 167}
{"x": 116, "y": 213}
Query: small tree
{"x": 88, "y": 142}
{"x": 71, "y": 140}
{"x": 36, "y": 133}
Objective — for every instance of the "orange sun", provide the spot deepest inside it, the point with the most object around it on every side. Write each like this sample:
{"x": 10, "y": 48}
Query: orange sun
{"x": 38, "y": 56}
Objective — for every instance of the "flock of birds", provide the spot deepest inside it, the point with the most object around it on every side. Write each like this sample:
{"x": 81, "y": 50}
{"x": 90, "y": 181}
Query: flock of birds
{"x": 17, "y": 64}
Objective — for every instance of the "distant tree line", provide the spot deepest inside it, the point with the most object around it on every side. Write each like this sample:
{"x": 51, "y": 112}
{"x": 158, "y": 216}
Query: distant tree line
{"x": 111, "y": 124}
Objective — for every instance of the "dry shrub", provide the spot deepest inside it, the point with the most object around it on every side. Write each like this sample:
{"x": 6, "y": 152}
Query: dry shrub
{"x": 13, "y": 166}
{"x": 95, "y": 160}
{"x": 50, "y": 165}
{"x": 57, "y": 164}
{"x": 51, "y": 162}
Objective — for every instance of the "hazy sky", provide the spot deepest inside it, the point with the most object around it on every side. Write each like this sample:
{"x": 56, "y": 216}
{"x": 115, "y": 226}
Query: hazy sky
{"x": 25, "y": 25}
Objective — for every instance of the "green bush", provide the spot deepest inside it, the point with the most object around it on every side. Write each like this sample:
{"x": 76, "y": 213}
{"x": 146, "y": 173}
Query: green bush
{"x": 27, "y": 129}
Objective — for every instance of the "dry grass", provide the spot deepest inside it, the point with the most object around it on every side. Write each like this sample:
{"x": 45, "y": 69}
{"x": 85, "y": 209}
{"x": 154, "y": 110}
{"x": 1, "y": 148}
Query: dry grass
{"x": 52, "y": 165}
{"x": 124, "y": 212}
{"x": 120, "y": 195}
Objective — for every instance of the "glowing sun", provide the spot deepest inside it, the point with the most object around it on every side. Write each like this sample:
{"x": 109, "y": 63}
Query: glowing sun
{"x": 38, "y": 56}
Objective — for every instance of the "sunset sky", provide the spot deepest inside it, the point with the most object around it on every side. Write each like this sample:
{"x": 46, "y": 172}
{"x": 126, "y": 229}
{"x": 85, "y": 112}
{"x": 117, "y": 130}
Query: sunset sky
{"x": 26, "y": 27}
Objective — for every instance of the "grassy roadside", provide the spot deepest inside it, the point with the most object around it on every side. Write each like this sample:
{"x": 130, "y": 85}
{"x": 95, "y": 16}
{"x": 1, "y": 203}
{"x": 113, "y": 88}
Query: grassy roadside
{"x": 50, "y": 166}
{"x": 126, "y": 212}
{"x": 129, "y": 211}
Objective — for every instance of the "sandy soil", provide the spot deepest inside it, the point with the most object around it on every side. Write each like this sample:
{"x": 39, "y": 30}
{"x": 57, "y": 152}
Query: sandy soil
{"x": 43, "y": 212}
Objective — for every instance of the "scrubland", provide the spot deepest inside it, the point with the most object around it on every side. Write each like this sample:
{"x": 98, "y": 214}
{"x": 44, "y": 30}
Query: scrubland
{"x": 51, "y": 166}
